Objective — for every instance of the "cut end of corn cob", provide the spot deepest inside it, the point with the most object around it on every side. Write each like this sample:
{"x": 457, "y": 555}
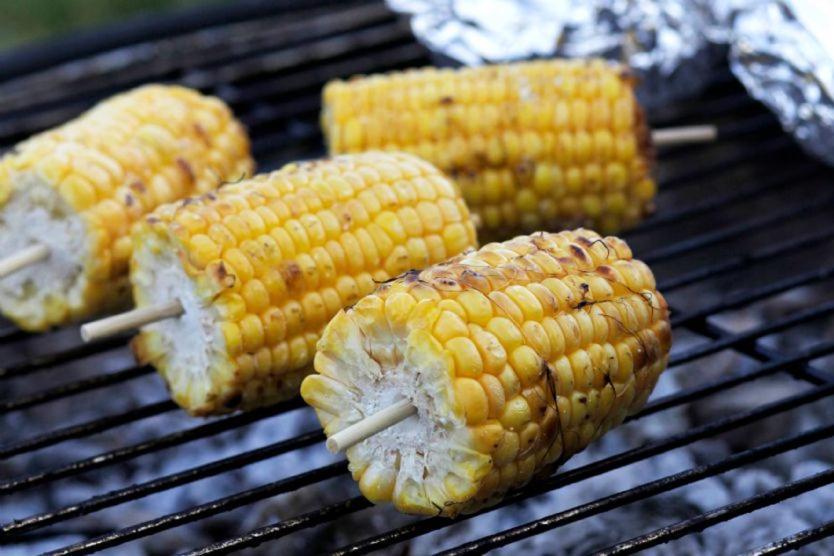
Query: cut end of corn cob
{"x": 516, "y": 357}
{"x": 549, "y": 144}
{"x": 262, "y": 265}
{"x": 44, "y": 292}
{"x": 78, "y": 188}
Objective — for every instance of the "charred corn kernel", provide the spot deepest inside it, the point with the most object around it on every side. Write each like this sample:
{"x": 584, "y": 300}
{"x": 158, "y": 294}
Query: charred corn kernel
{"x": 498, "y": 399}
{"x": 530, "y": 140}
{"x": 255, "y": 307}
{"x": 78, "y": 188}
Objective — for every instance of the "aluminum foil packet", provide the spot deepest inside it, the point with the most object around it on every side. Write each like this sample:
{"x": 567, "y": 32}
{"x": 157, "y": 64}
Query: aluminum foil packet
{"x": 663, "y": 41}
{"x": 783, "y": 52}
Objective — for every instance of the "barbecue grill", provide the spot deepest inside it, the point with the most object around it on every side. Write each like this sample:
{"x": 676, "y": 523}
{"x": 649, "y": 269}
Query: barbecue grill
{"x": 741, "y": 245}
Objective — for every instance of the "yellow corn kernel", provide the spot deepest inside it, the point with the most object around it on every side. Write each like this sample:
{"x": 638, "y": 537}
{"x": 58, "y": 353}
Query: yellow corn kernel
{"x": 280, "y": 275}
{"x": 103, "y": 171}
{"x": 506, "y": 331}
{"x": 527, "y": 364}
{"x": 492, "y": 352}
{"x": 468, "y": 361}
{"x": 494, "y": 391}
{"x": 515, "y": 160}
{"x": 472, "y": 399}
{"x": 538, "y": 391}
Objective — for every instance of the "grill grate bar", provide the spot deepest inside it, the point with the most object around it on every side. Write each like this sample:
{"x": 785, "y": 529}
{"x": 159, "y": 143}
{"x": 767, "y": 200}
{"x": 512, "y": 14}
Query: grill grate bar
{"x": 202, "y": 511}
{"x": 195, "y": 51}
{"x": 334, "y": 511}
{"x": 141, "y": 412}
{"x": 719, "y": 515}
{"x": 721, "y": 96}
{"x": 309, "y": 105}
{"x": 379, "y": 39}
{"x": 745, "y": 297}
{"x": 146, "y": 447}
{"x": 310, "y": 81}
{"x": 599, "y": 467}
{"x": 796, "y": 541}
{"x": 728, "y": 104}
{"x": 750, "y": 336}
{"x": 86, "y": 429}
{"x": 711, "y": 238}
{"x": 779, "y": 182}
{"x": 190, "y": 475}
{"x": 40, "y": 362}
{"x": 163, "y": 483}
{"x": 39, "y": 59}
{"x": 327, "y": 48}
{"x": 747, "y": 260}
{"x": 71, "y": 389}
{"x": 723, "y": 384}
{"x": 273, "y": 81}
{"x": 199, "y": 54}
{"x": 641, "y": 492}
{"x": 11, "y": 334}
{"x": 725, "y": 162}
{"x": 91, "y": 427}
{"x": 743, "y": 127}
{"x": 760, "y": 353}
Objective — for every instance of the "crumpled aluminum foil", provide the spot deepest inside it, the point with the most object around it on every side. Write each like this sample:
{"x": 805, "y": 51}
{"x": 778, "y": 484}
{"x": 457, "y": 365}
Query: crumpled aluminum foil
{"x": 783, "y": 52}
{"x": 661, "y": 40}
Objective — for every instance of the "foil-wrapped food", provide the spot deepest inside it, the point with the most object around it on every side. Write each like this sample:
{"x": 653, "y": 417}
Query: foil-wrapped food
{"x": 661, "y": 40}
{"x": 783, "y": 52}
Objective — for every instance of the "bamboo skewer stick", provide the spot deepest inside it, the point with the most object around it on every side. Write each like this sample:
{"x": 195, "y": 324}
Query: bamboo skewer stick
{"x": 370, "y": 425}
{"x": 136, "y": 318}
{"x": 684, "y": 135}
{"x": 23, "y": 258}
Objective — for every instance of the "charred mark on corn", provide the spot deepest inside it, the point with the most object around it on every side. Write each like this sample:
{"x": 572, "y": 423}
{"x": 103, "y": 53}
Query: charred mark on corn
{"x": 270, "y": 262}
{"x": 533, "y": 145}
{"x": 107, "y": 169}
{"x": 509, "y": 372}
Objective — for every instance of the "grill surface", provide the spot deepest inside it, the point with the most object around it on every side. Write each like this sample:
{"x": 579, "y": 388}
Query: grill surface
{"x": 741, "y": 224}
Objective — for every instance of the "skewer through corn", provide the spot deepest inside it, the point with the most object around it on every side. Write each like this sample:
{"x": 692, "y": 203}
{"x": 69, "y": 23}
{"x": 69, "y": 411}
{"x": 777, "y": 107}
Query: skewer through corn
{"x": 536, "y": 145}
{"x": 69, "y": 196}
{"x": 515, "y": 357}
{"x": 259, "y": 268}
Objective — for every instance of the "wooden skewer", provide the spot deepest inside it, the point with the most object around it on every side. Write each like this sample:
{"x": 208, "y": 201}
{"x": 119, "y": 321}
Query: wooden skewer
{"x": 136, "y": 318}
{"x": 23, "y": 258}
{"x": 684, "y": 135}
{"x": 370, "y": 425}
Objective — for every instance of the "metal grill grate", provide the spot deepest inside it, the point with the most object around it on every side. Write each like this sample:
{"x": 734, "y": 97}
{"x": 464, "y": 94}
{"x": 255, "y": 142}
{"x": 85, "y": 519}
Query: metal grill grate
{"x": 740, "y": 223}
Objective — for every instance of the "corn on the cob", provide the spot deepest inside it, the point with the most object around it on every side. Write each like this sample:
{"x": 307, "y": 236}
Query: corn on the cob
{"x": 78, "y": 188}
{"x": 538, "y": 145}
{"x": 261, "y": 266}
{"x": 515, "y": 357}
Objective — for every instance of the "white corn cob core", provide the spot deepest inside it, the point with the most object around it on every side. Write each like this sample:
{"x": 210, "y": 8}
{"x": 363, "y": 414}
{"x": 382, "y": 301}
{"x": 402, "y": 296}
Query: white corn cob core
{"x": 37, "y": 214}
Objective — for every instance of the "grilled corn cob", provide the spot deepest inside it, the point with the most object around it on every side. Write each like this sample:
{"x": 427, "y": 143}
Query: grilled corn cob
{"x": 538, "y": 145}
{"x": 260, "y": 267}
{"x": 78, "y": 188}
{"x": 516, "y": 357}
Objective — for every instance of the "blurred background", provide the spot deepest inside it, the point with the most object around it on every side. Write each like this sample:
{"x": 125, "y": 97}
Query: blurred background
{"x": 93, "y": 454}
{"x": 28, "y": 20}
